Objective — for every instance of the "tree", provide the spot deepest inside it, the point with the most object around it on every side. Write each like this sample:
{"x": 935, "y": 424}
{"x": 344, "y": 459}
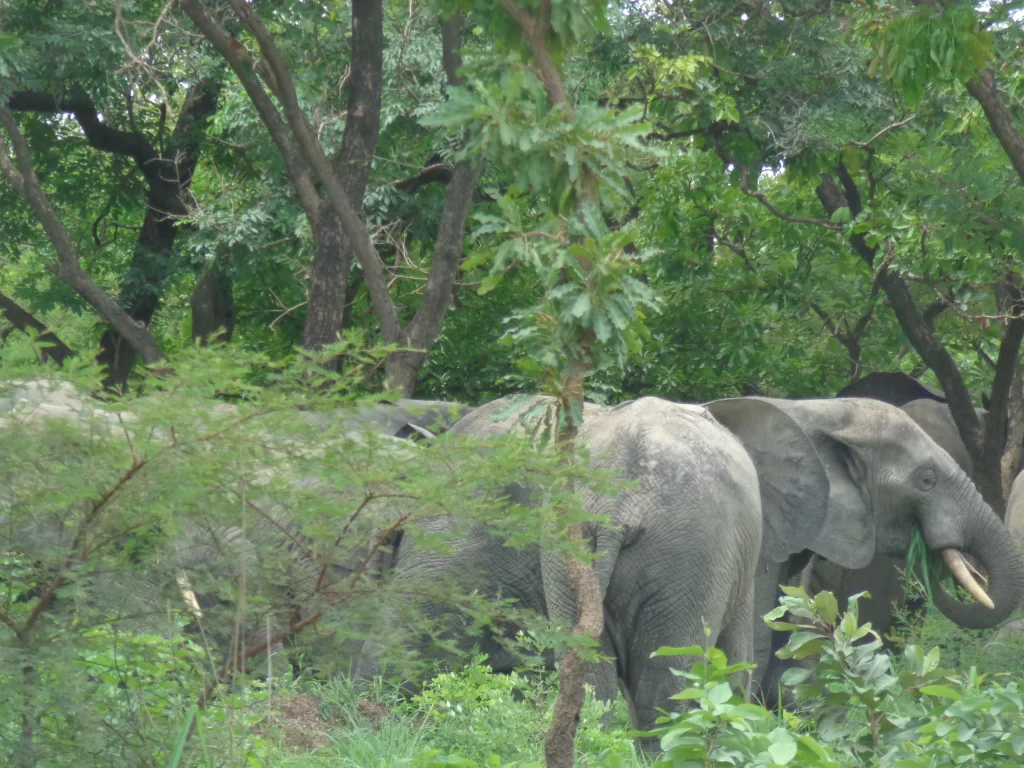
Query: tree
{"x": 589, "y": 309}
{"x": 54, "y": 73}
{"x": 68, "y": 268}
{"x": 305, "y": 159}
{"x": 789, "y": 94}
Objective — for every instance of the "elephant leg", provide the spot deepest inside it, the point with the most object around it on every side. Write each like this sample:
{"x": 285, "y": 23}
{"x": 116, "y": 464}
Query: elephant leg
{"x": 765, "y": 642}
{"x": 604, "y": 677}
{"x": 736, "y": 639}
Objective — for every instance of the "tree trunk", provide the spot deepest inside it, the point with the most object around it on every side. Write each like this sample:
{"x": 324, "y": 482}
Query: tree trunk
{"x": 22, "y": 319}
{"x": 332, "y": 261}
{"x": 402, "y": 368}
{"x": 1011, "y": 432}
{"x": 213, "y": 307}
{"x": 169, "y": 177}
{"x": 333, "y": 252}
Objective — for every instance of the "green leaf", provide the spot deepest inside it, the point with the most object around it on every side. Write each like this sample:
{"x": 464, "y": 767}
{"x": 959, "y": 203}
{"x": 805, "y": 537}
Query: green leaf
{"x": 826, "y": 605}
{"x": 720, "y": 694}
{"x": 689, "y": 650}
{"x": 941, "y": 692}
{"x": 489, "y": 283}
{"x": 783, "y": 751}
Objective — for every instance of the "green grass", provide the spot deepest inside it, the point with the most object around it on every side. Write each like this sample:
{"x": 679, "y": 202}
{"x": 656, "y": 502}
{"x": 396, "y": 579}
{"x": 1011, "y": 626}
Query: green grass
{"x": 471, "y": 714}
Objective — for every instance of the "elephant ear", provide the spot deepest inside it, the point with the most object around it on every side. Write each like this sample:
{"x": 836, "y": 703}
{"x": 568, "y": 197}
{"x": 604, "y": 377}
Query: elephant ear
{"x": 530, "y": 416}
{"x": 408, "y": 419}
{"x": 836, "y": 428}
{"x": 793, "y": 481}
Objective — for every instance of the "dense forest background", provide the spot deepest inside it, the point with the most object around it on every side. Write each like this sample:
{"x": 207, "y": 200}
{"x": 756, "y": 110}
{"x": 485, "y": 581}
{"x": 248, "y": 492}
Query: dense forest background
{"x": 694, "y": 200}
{"x": 751, "y": 123}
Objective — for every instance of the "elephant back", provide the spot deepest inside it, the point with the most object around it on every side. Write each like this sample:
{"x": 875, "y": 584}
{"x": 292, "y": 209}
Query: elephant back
{"x": 534, "y": 417}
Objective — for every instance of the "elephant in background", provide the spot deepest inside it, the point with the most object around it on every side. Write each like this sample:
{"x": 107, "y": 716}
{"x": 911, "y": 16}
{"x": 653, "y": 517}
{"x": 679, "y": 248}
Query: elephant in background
{"x": 885, "y": 476}
{"x": 844, "y": 479}
{"x": 274, "y": 549}
{"x": 205, "y": 552}
{"x": 1015, "y": 508}
{"x": 891, "y": 387}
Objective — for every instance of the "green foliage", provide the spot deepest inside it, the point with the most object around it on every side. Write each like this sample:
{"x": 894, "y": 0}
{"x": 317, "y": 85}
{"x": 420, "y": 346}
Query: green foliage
{"x": 468, "y": 707}
{"x": 108, "y": 504}
{"x": 860, "y": 707}
{"x": 929, "y": 45}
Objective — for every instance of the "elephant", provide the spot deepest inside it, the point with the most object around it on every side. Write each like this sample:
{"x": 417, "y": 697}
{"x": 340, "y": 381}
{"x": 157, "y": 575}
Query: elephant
{"x": 936, "y": 420}
{"x": 692, "y": 484}
{"x": 882, "y": 577}
{"x": 891, "y": 387}
{"x": 1015, "y": 508}
{"x": 207, "y": 549}
{"x": 273, "y": 547}
{"x": 886, "y": 476}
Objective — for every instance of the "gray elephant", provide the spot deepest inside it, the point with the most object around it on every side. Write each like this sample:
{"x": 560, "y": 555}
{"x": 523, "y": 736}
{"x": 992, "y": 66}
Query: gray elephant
{"x": 886, "y": 476}
{"x": 891, "y": 387}
{"x": 1015, "y": 509}
{"x": 199, "y": 559}
{"x": 845, "y": 479}
{"x": 280, "y": 570}
{"x": 680, "y": 550}
{"x": 882, "y": 577}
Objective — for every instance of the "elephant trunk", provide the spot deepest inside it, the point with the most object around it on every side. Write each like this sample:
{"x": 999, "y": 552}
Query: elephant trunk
{"x": 988, "y": 541}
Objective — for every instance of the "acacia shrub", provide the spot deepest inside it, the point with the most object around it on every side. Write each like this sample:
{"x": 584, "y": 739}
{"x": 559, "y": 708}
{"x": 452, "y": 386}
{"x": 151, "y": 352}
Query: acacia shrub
{"x": 156, "y": 547}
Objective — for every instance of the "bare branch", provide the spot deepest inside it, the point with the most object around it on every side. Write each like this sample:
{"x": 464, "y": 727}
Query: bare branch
{"x": 883, "y": 132}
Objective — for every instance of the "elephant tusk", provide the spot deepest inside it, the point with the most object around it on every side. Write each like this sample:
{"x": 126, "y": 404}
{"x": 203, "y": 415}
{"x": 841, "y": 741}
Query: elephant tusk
{"x": 976, "y": 572}
{"x": 958, "y": 565}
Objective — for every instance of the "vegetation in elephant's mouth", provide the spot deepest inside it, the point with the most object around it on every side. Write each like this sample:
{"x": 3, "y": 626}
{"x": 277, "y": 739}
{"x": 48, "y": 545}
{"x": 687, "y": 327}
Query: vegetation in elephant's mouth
{"x": 925, "y": 567}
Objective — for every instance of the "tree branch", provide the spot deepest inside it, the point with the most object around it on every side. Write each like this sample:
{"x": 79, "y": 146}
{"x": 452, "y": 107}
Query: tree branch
{"x": 762, "y": 199}
{"x": 916, "y": 327}
{"x": 985, "y": 91}
{"x": 22, "y": 319}
{"x": 888, "y": 129}
{"x": 99, "y": 135}
{"x": 241, "y": 62}
{"x": 1004, "y": 405}
{"x": 428, "y": 175}
{"x": 437, "y": 293}
{"x": 70, "y": 271}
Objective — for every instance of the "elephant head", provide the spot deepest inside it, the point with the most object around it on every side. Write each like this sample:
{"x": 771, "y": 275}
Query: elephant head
{"x": 936, "y": 420}
{"x": 886, "y": 476}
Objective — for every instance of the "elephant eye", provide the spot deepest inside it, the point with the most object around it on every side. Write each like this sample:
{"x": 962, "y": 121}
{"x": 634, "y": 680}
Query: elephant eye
{"x": 927, "y": 479}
